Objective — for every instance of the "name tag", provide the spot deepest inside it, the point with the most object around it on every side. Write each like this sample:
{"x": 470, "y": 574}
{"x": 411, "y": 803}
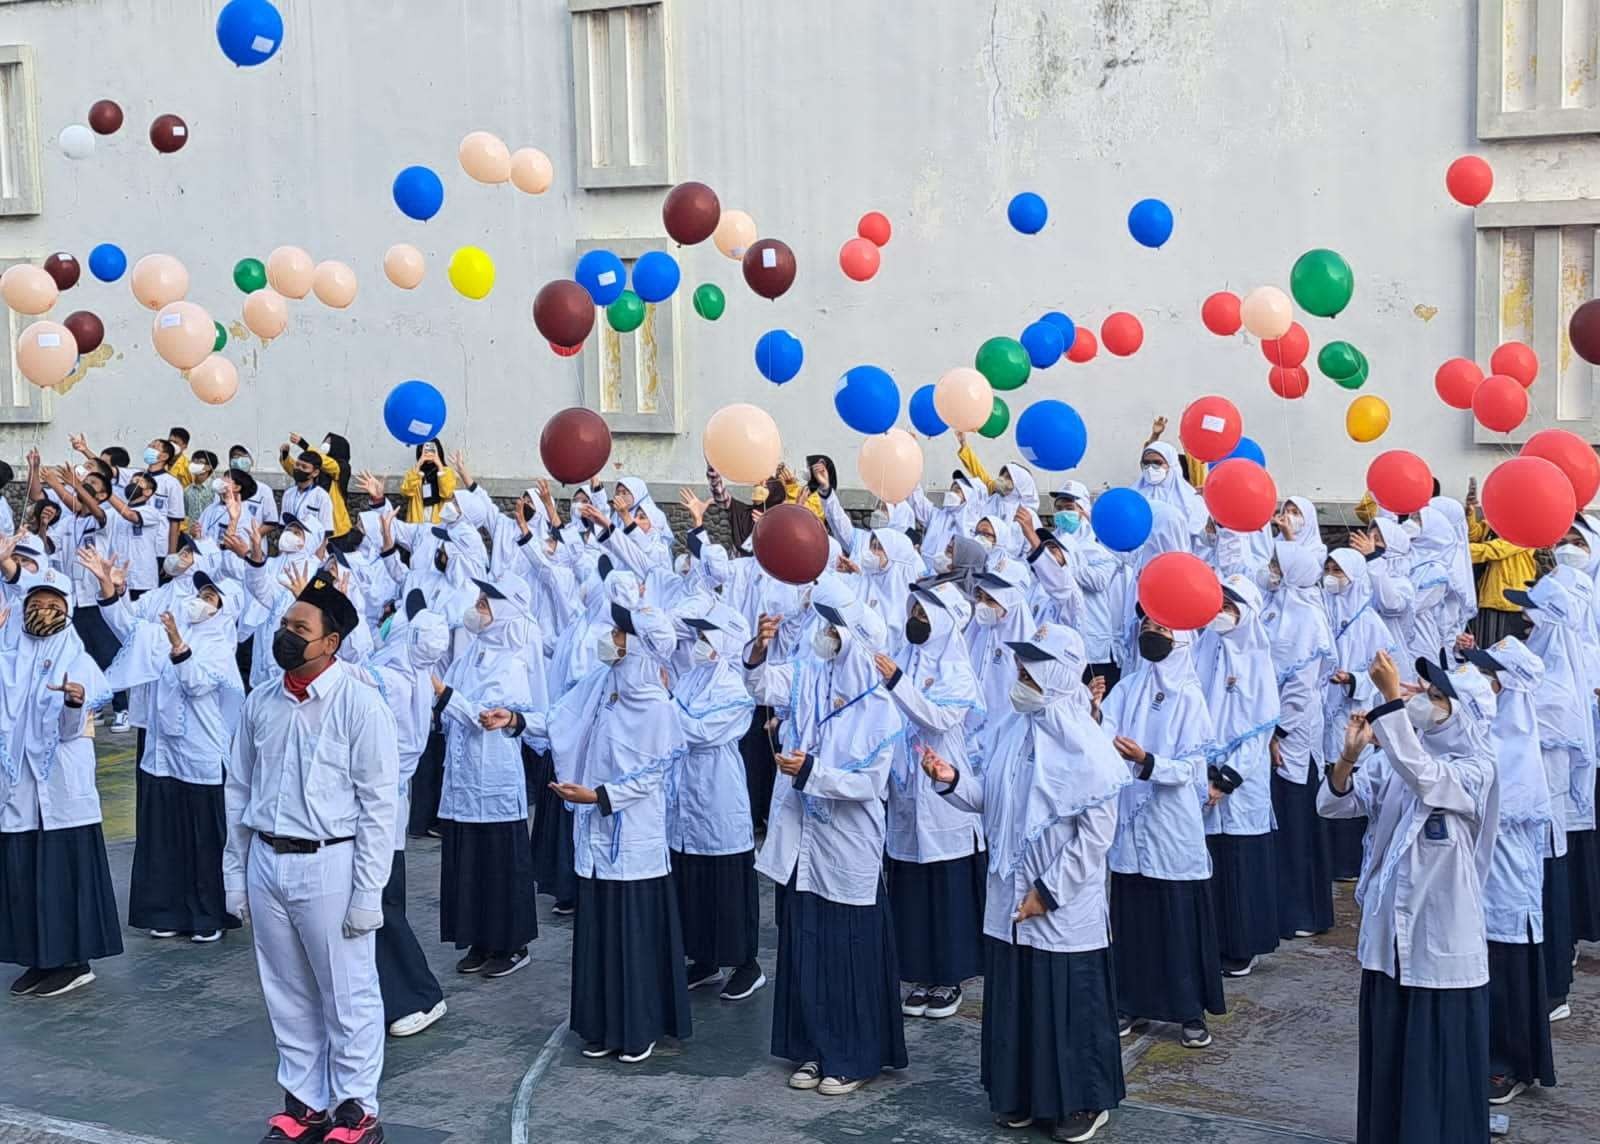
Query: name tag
{"x": 1155, "y": 704}
{"x": 1435, "y": 830}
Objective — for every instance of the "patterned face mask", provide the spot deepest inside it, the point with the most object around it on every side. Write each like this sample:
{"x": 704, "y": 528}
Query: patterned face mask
{"x": 42, "y": 620}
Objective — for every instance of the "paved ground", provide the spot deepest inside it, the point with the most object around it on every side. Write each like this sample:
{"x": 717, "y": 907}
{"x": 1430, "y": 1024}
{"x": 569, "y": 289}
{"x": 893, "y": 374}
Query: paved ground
{"x": 172, "y": 1044}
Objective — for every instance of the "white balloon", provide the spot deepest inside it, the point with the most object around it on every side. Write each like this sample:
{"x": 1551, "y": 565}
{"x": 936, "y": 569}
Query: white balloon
{"x": 77, "y": 141}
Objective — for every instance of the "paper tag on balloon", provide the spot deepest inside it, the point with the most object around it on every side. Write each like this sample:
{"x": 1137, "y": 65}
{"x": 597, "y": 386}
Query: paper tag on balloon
{"x": 769, "y": 258}
{"x": 170, "y": 320}
{"x": 1212, "y": 424}
{"x": 421, "y": 428}
{"x": 179, "y": 131}
{"x": 607, "y": 277}
{"x": 49, "y": 341}
{"x": 263, "y": 45}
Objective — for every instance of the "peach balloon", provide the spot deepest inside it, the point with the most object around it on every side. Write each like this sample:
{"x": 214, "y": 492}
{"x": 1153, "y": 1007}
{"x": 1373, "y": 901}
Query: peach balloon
{"x": 890, "y": 465}
{"x": 290, "y": 271}
{"x": 404, "y": 265}
{"x": 531, "y": 171}
{"x": 963, "y": 399}
{"x": 335, "y": 284}
{"x": 47, "y": 353}
{"x": 215, "y": 380}
{"x": 28, "y": 289}
{"x": 735, "y": 232}
{"x": 266, "y": 313}
{"x": 158, "y": 279}
{"x": 1267, "y": 312}
{"x": 485, "y": 157}
{"x": 741, "y": 442}
{"x": 183, "y": 334}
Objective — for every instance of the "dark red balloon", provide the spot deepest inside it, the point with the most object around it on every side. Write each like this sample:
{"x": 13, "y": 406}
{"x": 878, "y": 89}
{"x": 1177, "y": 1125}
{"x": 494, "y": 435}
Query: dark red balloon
{"x": 105, "y": 117}
{"x": 1400, "y": 481}
{"x": 64, "y": 269}
{"x": 691, "y": 213}
{"x": 769, "y": 267}
{"x": 87, "y": 330}
{"x": 1584, "y": 330}
{"x": 575, "y": 444}
{"x": 791, "y": 544}
{"x": 168, "y": 134}
{"x": 564, "y": 312}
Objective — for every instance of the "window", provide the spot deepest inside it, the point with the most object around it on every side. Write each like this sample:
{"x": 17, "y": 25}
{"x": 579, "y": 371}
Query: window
{"x": 21, "y": 402}
{"x": 1537, "y": 68}
{"x": 19, "y": 132}
{"x": 619, "y": 75}
{"x": 631, "y": 379}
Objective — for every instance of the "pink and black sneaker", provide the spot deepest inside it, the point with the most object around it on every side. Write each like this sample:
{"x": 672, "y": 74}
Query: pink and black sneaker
{"x": 297, "y": 1123}
{"x": 353, "y": 1124}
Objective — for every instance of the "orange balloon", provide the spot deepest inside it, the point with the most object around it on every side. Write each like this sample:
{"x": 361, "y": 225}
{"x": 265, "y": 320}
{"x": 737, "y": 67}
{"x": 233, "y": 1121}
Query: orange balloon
{"x": 183, "y": 334}
{"x": 47, "y": 353}
{"x": 335, "y": 284}
{"x": 158, "y": 279}
{"x": 215, "y": 380}
{"x": 485, "y": 157}
{"x": 890, "y": 465}
{"x": 963, "y": 399}
{"x": 404, "y": 265}
{"x": 741, "y": 442}
{"x": 28, "y": 289}
{"x": 735, "y": 233}
{"x": 290, "y": 271}
{"x": 531, "y": 171}
{"x": 266, "y": 313}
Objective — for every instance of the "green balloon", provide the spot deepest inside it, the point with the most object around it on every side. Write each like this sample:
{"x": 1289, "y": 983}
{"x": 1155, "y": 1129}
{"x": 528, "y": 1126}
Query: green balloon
{"x": 249, "y": 274}
{"x": 1004, "y": 362}
{"x": 626, "y": 314}
{"x": 709, "y": 301}
{"x": 999, "y": 418}
{"x": 1322, "y": 282}
{"x": 1359, "y": 378}
{"x": 222, "y": 338}
{"x": 1339, "y": 360}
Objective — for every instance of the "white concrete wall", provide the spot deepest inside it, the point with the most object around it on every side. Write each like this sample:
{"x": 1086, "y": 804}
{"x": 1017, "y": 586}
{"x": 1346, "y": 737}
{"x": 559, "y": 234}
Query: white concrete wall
{"x": 1270, "y": 128}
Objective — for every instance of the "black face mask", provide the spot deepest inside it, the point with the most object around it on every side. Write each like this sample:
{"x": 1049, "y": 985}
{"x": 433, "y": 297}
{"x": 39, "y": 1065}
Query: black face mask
{"x": 441, "y": 560}
{"x": 1154, "y": 646}
{"x": 303, "y": 478}
{"x": 288, "y": 649}
{"x": 918, "y": 631}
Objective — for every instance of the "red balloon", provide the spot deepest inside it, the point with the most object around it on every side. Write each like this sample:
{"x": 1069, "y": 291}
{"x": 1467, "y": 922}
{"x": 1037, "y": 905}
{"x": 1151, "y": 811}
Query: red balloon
{"x": 1469, "y": 180}
{"x": 1241, "y": 495}
{"x": 168, "y": 133}
{"x": 1289, "y": 381}
{"x": 1584, "y": 331}
{"x": 859, "y": 259}
{"x": 1529, "y": 502}
{"x": 1456, "y": 381}
{"x": 575, "y": 444}
{"x": 1516, "y": 360}
{"x": 874, "y": 227}
{"x": 87, "y": 330}
{"x": 1084, "y": 346}
{"x": 564, "y": 312}
{"x": 566, "y": 351}
{"x": 105, "y": 117}
{"x": 791, "y": 544}
{"x": 769, "y": 267}
{"x": 1289, "y": 350}
{"x": 1179, "y": 590}
{"x": 1501, "y": 404}
{"x": 1220, "y": 313}
{"x": 1566, "y": 451}
{"x": 690, "y": 213}
{"x": 64, "y": 269}
{"x": 1210, "y": 428}
{"x": 1121, "y": 333}
{"x": 1400, "y": 481}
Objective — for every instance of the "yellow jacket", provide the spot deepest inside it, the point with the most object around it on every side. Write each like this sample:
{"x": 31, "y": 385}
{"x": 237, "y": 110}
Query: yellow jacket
{"x": 1508, "y": 565}
{"x": 969, "y": 461}
{"x": 180, "y": 469}
{"x": 802, "y": 495}
{"x": 330, "y": 465}
{"x": 411, "y": 489}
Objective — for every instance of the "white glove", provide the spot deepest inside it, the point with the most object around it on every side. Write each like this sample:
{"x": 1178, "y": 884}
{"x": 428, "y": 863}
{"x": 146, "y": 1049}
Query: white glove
{"x": 237, "y": 903}
{"x": 358, "y": 921}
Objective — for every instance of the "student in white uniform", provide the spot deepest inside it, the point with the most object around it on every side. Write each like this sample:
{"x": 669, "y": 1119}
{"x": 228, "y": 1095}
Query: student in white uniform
{"x": 311, "y": 797}
{"x": 305, "y": 498}
{"x": 266, "y": 502}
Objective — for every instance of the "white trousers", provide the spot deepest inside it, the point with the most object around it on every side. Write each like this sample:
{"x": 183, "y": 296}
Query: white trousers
{"x": 321, "y": 987}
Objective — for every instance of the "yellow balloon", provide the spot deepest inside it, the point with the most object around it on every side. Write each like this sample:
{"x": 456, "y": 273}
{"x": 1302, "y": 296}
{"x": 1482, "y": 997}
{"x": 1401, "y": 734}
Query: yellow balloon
{"x": 472, "y": 272}
{"x": 1367, "y": 418}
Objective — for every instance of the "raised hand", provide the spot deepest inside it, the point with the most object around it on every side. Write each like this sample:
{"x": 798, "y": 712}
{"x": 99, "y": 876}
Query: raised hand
{"x": 386, "y": 523}
{"x": 1097, "y": 689}
{"x": 1157, "y": 428}
{"x": 936, "y": 768}
{"x": 70, "y": 691}
{"x": 696, "y": 506}
{"x": 1363, "y": 543}
{"x": 886, "y": 666}
{"x": 296, "y": 579}
{"x": 1385, "y": 675}
{"x": 170, "y": 623}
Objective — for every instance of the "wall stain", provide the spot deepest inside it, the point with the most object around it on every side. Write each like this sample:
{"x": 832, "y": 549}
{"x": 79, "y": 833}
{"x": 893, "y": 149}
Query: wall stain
{"x": 94, "y": 359}
{"x": 1424, "y": 311}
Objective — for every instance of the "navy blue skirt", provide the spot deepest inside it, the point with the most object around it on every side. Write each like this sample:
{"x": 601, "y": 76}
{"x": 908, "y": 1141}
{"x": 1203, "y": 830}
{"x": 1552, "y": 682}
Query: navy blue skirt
{"x": 553, "y": 869}
{"x": 1050, "y": 1045}
{"x": 1558, "y": 941}
{"x": 718, "y": 906}
{"x": 1424, "y": 1075}
{"x": 486, "y": 886}
{"x": 938, "y": 918}
{"x": 57, "y": 906}
{"x": 1164, "y": 942}
{"x": 1244, "y": 894}
{"x": 407, "y": 984}
{"x": 177, "y": 861}
{"x": 836, "y": 997}
{"x": 427, "y": 785}
{"x": 1519, "y": 1014}
{"x": 1304, "y": 866}
{"x": 629, "y": 987}
{"x": 1345, "y": 838}
{"x": 760, "y": 769}
{"x": 1583, "y": 875}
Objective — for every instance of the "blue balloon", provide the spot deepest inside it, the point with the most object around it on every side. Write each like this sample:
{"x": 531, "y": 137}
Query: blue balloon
{"x": 418, "y": 193}
{"x": 1051, "y": 435}
{"x": 1248, "y": 450}
{"x": 107, "y": 262}
{"x": 1060, "y": 321}
{"x": 414, "y": 412}
{"x": 1044, "y": 344}
{"x": 249, "y": 31}
{"x": 1028, "y": 213}
{"x": 867, "y": 399}
{"x": 602, "y": 274}
{"x": 924, "y": 415}
{"x": 778, "y": 356}
{"x": 1121, "y": 519}
{"x": 655, "y": 276}
{"x": 1150, "y": 222}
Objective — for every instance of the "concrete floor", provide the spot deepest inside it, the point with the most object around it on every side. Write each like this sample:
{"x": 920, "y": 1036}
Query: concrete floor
{"x": 172, "y": 1044}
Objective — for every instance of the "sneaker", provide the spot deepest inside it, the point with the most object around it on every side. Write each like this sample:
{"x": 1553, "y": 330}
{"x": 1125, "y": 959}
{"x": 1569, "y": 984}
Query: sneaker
{"x": 163, "y": 934}
{"x": 564, "y": 909}
{"x": 1574, "y": 956}
{"x": 839, "y": 1086}
{"x": 475, "y": 960}
{"x": 1304, "y": 933}
{"x": 1080, "y": 1125}
{"x": 120, "y": 724}
{"x": 507, "y": 965}
{"x": 596, "y": 1051}
{"x": 1195, "y": 1036}
{"x": 433, "y": 832}
{"x": 298, "y": 1123}
{"x": 704, "y": 975}
{"x": 745, "y": 981}
{"x": 28, "y": 982}
{"x": 353, "y": 1124}
{"x": 916, "y": 1002}
{"x": 64, "y": 980}
{"x": 413, "y": 1023}
{"x": 808, "y": 1075}
{"x": 943, "y": 1001}
{"x": 1232, "y": 968}
{"x": 634, "y": 1058}
{"x": 1502, "y": 1089}
{"x": 206, "y": 938}
{"x": 1560, "y": 1011}
{"x": 1014, "y": 1123}
{"x": 1127, "y": 1024}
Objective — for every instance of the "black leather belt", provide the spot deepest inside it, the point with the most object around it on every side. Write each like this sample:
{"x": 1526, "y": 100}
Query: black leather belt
{"x": 281, "y": 845}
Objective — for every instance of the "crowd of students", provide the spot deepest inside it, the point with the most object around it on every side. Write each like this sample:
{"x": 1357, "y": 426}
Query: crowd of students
{"x": 963, "y": 751}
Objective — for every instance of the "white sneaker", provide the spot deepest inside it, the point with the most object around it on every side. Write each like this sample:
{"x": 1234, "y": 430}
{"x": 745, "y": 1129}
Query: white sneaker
{"x": 1304, "y": 933}
{"x": 597, "y": 1051}
{"x": 808, "y": 1075}
{"x": 838, "y": 1086}
{"x": 206, "y": 938}
{"x": 634, "y": 1058}
{"x": 163, "y": 934}
{"x": 413, "y": 1023}
{"x": 1560, "y": 1013}
{"x": 120, "y": 724}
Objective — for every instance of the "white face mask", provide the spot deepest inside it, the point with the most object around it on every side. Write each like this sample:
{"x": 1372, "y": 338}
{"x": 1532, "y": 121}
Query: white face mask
{"x": 878, "y": 519}
{"x": 1156, "y": 474}
{"x": 474, "y": 620}
{"x": 291, "y": 542}
{"x": 1572, "y": 556}
{"x": 449, "y": 514}
{"x": 197, "y": 609}
{"x": 942, "y": 563}
{"x": 986, "y": 541}
{"x": 986, "y": 615}
{"x": 606, "y": 648}
{"x": 683, "y": 564}
{"x": 1334, "y": 585}
{"x": 1026, "y": 699}
{"x": 174, "y": 566}
{"x": 953, "y": 499}
{"x": 704, "y": 653}
{"x": 1411, "y": 525}
{"x": 1005, "y": 486}
{"x": 217, "y": 485}
{"x": 877, "y": 561}
{"x": 1422, "y": 712}
{"x": 825, "y": 643}
{"x": 1273, "y": 579}
{"x": 1224, "y": 623}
